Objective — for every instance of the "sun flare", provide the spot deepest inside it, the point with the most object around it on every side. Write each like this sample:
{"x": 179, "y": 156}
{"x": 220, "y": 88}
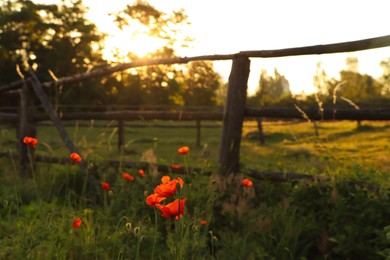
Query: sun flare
{"x": 131, "y": 39}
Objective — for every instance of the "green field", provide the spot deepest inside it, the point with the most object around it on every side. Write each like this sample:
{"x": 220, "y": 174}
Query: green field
{"x": 346, "y": 218}
{"x": 339, "y": 144}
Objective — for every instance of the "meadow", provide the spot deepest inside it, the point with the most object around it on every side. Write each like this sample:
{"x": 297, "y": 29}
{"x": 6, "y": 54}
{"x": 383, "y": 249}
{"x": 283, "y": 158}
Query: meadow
{"x": 55, "y": 215}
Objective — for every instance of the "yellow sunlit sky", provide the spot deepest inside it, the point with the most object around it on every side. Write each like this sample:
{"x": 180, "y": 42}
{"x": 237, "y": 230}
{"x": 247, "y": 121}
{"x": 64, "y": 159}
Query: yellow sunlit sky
{"x": 230, "y": 26}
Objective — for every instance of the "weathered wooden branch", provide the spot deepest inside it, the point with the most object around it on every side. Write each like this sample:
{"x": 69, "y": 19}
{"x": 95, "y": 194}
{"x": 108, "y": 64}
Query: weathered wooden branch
{"x": 369, "y": 114}
{"x": 364, "y": 44}
{"x": 13, "y": 85}
{"x": 140, "y": 115}
{"x": 282, "y": 176}
{"x": 61, "y": 130}
{"x": 255, "y": 174}
{"x": 8, "y": 117}
{"x": 328, "y": 114}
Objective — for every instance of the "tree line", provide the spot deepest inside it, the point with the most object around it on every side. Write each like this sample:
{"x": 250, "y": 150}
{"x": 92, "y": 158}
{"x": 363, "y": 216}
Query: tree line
{"x": 57, "y": 40}
{"x": 351, "y": 89}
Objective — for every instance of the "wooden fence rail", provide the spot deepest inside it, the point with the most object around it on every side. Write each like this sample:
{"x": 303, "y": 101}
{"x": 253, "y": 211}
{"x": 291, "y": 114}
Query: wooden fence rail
{"x": 359, "y": 45}
{"x": 249, "y": 113}
{"x": 369, "y": 114}
{"x": 234, "y": 112}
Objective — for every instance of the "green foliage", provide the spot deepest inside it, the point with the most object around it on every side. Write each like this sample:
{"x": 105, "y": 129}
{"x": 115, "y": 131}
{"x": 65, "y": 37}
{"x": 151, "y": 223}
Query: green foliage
{"x": 201, "y": 84}
{"x": 385, "y": 78}
{"x": 358, "y": 86}
{"x": 157, "y": 24}
{"x": 344, "y": 218}
{"x": 166, "y": 85}
{"x": 53, "y": 40}
{"x": 272, "y": 90}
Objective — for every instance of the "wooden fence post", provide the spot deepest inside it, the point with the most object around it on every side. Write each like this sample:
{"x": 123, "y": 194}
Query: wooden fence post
{"x": 198, "y": 126}
{"x": 121, "y": 135}
{"x": 26, "y": 128}
{"x": 316, "y": 129}
{"x": 233, "y": 116}
{"x": 260, "y": 130}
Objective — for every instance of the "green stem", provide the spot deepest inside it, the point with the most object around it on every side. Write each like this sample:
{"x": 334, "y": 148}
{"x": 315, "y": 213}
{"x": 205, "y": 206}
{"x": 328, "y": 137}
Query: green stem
{"x": 212, "y": 244}
{"x": 180, "y": 236}
{"x": 32, "y": 171}
{"x": 155, "y": 231}
{"x": 138, "y": 247}
{"x": 105, "y": 200}
{"x": 178, "y": 229}
{"x": 176, "y": 242}
{"x": 84, "y": 187}
{"x": 186, "y": 164}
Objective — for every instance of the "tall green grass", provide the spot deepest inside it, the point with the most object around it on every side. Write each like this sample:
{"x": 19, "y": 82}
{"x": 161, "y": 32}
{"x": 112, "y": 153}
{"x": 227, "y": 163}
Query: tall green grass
{"x": 340, "y": 219}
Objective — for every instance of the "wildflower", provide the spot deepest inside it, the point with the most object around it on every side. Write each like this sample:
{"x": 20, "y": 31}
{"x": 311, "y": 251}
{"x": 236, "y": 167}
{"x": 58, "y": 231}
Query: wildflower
{"x": 105, "y": 186}
{"x": 76, "y": 223}
{"x": 75, "y": 157}
{"x": 247, "y": 183}
{"x": 30, "y": 141}
{"x": 167, "y": 189}
{"x": 173, "y": 209}
{"x": 141, "y": 172}
{"x": 154, "y": 199}
{"x": 203, "y": 222}
{"x": 127, "y": 176}
{"x": 165, "y": 179}
{"x": 183, "y": 150}
{"x": 176, "y": 167}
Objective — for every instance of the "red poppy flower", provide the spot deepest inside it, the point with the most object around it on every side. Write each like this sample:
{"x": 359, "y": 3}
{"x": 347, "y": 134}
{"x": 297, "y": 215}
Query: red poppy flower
{"x": 247, "y": 183}
{"x": 167, "y": 189}
{"x": 176, "y": 167}
{"x": 141, "y": 172}
{"x": 75, "y": 157}
{"x": 165, "y": 179}
{"x": 173, "y": 209}
{"x": 154, "y": 199}
{"x": 183, "y": 150}
{"x": 203, "y": 222}
{"x": 76, "y": 223}
{"x": 106, "y": 186}
{"x": 30, "y": 141}
{"x": 127, "y": 176}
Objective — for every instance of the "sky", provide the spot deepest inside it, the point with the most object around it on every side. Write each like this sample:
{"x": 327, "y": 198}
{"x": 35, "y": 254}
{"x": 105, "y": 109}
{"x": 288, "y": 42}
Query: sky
{"x": 230, "y": 26}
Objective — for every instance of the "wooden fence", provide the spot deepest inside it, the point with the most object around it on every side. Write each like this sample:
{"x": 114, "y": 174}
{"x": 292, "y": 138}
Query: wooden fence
{"x": 232, "y": 117}
{"x": 210, "y": 114}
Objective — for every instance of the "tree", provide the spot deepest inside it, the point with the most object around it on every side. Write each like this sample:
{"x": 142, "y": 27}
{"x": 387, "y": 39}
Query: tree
{"x": 356, "y": 86}
{"x": 320, "y": 80}
{"x": 159, "y": 84}
{"x": 50, "y": 37}
{"x": 385, "y": 78}
{"x": 201, "y": 84}
{"x": 271, "y": 90}
{"x": 352, "y": 64}
{"x": 155, "y": 24}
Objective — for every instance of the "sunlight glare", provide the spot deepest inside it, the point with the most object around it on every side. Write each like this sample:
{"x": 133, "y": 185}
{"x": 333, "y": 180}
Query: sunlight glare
{"x": 131, "y": 39}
